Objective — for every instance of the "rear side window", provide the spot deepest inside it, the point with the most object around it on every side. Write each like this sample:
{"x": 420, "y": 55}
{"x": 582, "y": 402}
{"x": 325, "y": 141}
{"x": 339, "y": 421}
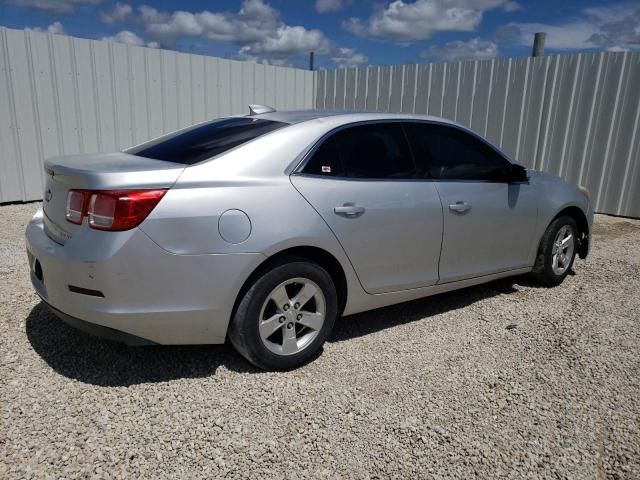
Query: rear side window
{"x": 201, "y": 142}
{"x": 451, "y": 154}
{"x": 375, "y": 151}
{"x": 326, "y": 160}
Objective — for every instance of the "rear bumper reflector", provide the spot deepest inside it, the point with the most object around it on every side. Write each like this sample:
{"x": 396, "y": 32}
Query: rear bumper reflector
{"x": 86, "y": 291}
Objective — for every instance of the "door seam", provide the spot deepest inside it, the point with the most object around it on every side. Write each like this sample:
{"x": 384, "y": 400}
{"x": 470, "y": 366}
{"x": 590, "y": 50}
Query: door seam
{"x": 435, "y": 184}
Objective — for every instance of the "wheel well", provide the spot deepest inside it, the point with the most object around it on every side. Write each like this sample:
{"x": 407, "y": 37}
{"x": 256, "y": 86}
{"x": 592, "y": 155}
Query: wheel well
{"x": 314, "y": 254}
{"x": 583, "y": 228}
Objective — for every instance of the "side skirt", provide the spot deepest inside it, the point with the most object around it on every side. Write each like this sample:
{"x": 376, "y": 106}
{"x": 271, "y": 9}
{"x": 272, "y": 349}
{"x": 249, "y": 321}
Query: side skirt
{"x": 370, "y": 302}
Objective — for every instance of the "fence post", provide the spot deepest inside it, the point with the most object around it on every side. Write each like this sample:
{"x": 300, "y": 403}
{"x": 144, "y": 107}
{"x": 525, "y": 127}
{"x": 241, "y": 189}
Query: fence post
{"x": 538, "y": 44}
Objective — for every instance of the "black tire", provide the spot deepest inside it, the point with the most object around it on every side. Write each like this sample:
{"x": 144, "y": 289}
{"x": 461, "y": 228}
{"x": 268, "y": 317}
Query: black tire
{"x": 543, "y": 269}
{"x": 244, "y": 330}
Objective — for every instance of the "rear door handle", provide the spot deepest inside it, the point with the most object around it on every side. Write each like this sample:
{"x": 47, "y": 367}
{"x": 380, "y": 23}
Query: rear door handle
{"x": 459, "y": 207}
{"x": 349, "y": 210}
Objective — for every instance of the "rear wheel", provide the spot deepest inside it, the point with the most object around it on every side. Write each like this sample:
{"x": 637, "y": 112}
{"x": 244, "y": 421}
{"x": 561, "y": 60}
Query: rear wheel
{"x": 557, "y": 251}
{"x": 286, "y": 315}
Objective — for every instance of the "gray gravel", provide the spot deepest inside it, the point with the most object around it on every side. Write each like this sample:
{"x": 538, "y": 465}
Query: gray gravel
{"x": 505, "y": 379}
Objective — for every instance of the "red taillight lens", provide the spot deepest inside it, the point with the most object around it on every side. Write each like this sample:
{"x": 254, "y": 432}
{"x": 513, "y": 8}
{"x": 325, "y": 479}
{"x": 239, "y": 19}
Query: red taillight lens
{"x": 121, "y": 210}
{"x": 117, "y": 210}
{"x": 76, "y": 206}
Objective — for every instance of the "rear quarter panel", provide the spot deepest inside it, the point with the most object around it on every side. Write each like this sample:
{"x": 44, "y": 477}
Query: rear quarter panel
{"x": 186, "y": 222}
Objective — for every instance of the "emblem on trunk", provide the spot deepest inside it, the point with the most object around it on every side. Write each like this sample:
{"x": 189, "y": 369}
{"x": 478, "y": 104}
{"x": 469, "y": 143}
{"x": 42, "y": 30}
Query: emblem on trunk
{"x": 48, "y": 195}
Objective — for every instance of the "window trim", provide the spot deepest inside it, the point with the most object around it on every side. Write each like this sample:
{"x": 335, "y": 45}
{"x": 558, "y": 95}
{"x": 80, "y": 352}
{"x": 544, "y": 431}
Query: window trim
{"x": 306, "y": 156}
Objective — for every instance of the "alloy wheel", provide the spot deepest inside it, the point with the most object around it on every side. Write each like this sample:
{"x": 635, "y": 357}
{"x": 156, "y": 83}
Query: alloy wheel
{"x": 562, "y": 251}
{"x": 292, "y": 316}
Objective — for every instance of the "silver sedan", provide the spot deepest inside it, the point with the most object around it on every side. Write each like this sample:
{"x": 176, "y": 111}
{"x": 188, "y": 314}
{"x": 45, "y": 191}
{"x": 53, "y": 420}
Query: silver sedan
{"x": 265, "y": 228}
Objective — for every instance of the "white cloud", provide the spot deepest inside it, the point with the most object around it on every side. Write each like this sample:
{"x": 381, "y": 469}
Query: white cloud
{"x": 56, "y": 28}
{"x": 348, "y": 57}
{"x": 512, "y": 7}
{"x": 54, "y": 6}
{"x": 566, "y": 36}
{"x": 151, "y": 15}
{"x": 290, "y": 40}
{"x": 254, "y": 21}
{"x": 407, "y": 22}
{"x": 475, "y": 49}
{"x": 323, "y": 6}
{"x": 614, "y": 28}
{"x": 617, "y": 48}
{"x": 256, "y": 27}
{"x": 129, "y": 38}
{"x": 119, "y": 13}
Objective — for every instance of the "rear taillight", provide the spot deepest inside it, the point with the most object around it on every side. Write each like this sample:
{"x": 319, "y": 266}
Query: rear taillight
{"x": 113, "y": 210}
{"x": 76, "y": 206}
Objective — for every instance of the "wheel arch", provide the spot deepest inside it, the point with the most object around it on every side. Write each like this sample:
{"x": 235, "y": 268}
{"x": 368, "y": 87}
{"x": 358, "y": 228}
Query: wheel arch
{"x": 315, "y": 254}
{"x": 584, "y": 234}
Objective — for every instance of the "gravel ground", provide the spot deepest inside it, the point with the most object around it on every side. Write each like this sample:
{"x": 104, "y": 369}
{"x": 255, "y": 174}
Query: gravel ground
{"x": 500, "y": 380}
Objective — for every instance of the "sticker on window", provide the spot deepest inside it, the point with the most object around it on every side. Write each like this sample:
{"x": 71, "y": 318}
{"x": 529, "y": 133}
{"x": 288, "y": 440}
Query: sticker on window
{"x": 326, "y": 169}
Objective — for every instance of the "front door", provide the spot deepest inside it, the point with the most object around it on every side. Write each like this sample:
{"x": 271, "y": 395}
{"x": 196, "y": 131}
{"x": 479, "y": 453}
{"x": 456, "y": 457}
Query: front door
{"x": 488, "y": 228}
{"x": 488, "y": 222}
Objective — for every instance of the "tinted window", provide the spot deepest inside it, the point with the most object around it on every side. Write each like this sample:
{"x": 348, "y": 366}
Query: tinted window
{"x": 449, "y": 153}
{"x": 200, "y": 142}
{"x": 366, "y": 151}
{"x": 326, "y": 160}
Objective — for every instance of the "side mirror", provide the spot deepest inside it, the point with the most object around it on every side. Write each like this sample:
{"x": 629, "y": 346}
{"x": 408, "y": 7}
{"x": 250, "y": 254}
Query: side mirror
{"x": 517, "y": 173}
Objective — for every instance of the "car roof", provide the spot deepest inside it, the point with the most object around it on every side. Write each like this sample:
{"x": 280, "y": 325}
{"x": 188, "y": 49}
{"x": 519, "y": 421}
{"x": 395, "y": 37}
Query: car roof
{"x": 343, "y": 116}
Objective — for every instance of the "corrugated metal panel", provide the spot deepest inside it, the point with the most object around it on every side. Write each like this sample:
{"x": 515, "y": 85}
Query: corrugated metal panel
{"x": 574, "y": 115}
{"x": 577, "y": 116}
{"x": 64, "y": 95}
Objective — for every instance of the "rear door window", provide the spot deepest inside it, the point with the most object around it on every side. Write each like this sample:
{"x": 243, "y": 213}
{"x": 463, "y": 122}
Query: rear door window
{"x": 372, "y": 151}
{"x": 204, "y": 141}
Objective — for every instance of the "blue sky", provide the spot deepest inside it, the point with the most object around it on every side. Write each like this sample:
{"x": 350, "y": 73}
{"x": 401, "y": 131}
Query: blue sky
{"x": 341, "y": 32}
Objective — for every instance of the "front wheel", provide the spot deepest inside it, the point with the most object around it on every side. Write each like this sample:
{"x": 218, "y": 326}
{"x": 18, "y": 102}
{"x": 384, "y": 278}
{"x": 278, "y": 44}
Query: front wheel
{"x": 286, "y": 315}
{"x": 557, "y": 252}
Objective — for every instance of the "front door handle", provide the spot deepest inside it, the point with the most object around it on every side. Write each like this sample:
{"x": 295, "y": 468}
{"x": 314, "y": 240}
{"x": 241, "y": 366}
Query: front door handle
{"x": 349, "y": 210}
{"x": 459, "y": 207}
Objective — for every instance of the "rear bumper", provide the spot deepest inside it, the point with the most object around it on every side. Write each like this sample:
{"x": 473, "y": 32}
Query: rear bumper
{"x": 148, "y": 295}
{"x": 98, "y": 330}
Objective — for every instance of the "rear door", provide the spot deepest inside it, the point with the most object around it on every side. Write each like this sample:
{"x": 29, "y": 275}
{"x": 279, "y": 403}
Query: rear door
{"x": 488, "y": 222}
{"x": 363, "y": 181}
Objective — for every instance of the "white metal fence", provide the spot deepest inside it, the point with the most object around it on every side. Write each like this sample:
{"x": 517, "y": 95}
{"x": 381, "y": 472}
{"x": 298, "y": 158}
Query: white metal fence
{"x": 63, "y": 95}
{"x": 576, "y": 116}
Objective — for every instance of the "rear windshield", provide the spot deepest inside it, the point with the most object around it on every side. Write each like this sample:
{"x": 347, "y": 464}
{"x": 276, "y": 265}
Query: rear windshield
{"x": 201, "y": 142}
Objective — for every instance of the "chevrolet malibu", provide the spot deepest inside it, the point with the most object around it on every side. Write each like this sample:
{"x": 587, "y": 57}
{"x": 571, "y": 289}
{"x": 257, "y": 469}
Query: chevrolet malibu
{"x": 265, "y": 228}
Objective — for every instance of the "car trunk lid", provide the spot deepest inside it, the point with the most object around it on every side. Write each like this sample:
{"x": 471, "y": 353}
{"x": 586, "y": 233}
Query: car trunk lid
{"x": 111, "y": 171}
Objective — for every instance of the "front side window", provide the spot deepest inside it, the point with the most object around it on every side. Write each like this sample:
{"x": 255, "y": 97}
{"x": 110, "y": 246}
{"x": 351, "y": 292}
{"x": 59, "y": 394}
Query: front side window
{"x": 373, "y": 151}
{"x": 204, "y": 141}
{"x": 449, "y": 153}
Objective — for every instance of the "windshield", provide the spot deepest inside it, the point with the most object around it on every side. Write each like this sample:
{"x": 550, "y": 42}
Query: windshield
{"x": 200, "y": 142}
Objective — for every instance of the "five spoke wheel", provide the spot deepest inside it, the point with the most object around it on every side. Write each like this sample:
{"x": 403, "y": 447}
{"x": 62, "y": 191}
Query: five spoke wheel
{"x": 292, "y": 316}
{"x": 562, "y": 251}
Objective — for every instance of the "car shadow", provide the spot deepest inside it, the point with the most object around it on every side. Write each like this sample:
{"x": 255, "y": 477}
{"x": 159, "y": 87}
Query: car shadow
{"x": 79, "y": 356}
{"x": 361, "y": 324}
